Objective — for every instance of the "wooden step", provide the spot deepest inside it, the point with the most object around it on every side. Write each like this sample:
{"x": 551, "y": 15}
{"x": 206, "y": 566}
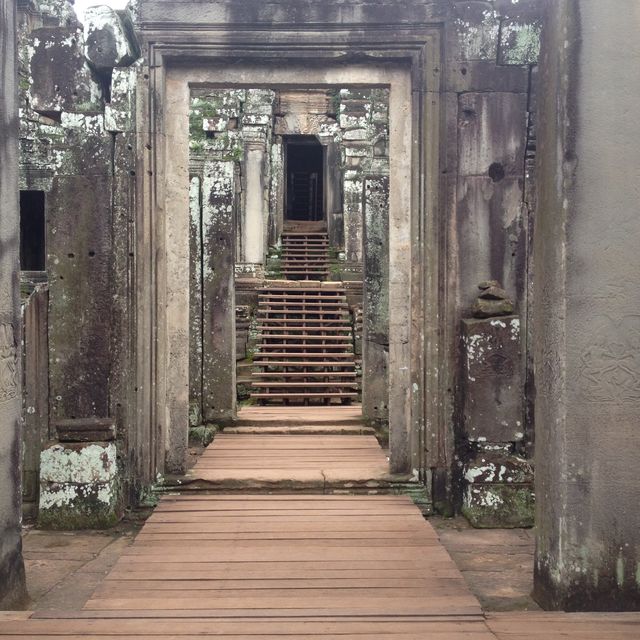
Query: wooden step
{"x": 302, "y": 383}
{"x": 346, "y": 347}
{"x": 319, "y": 329}
{"x": 302, "y": 363}
{"x": 309, "y": 275}
{"x": 307, "y": 335}
{"x": 305, "y": 234}
{"x": 286, "y": 322}
{"x": 304, "y": 374}
{"x": 305, "y": 305}
{"x": 329, "y": 394}
{"x": 284, "y": 354}
{"x": 329, "y": 286}
{"x": 304, "y": 326}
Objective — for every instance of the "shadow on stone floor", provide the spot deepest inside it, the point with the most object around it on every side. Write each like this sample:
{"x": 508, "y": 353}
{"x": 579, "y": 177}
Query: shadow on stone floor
{"x": 496, "y": 563}
{"x": 64, "y": 568}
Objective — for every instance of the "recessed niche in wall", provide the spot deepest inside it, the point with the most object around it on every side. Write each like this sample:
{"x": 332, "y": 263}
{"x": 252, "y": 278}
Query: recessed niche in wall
{"x": 32, "y": 231}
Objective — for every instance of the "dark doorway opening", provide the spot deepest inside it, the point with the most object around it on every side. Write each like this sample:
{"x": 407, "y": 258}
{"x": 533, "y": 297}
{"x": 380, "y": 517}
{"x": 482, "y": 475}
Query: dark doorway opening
{"x": 304, "y": 162}
{"x": 32, "y": 231}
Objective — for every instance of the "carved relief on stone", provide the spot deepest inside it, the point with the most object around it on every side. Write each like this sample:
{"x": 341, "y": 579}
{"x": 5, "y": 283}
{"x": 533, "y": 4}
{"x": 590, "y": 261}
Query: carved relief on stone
{"x": 8, "y": 364}
{"x": 609, "y": 369}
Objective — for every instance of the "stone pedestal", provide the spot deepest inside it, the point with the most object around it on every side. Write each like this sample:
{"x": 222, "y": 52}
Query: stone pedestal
{"x": 79, "y": 486}
{"x": 587, "y": 310}
{"x": 498, "y": 492}
{"x": 497, "y": 483}
{"x": 491, "y": 381}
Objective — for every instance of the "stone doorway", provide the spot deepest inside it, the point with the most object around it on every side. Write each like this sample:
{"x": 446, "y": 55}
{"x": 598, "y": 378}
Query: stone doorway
{"x": 172, "y": 394}
{"x": 304, "y": 160}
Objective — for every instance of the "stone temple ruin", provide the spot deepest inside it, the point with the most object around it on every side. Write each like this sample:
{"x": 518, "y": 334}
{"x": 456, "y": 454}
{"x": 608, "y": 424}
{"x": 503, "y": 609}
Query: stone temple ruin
{"x": 312, "y": 204}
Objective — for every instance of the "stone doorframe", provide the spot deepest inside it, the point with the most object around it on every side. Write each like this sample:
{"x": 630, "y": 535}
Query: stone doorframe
{"x": 405, "y": 59}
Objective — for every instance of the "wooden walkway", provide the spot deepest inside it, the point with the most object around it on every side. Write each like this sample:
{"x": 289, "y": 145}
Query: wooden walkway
{"x": 277, "y": 555}
{"x": 261, "y": 567}
{"x": 265, "y": 566}
{"x": 311, "y": 462}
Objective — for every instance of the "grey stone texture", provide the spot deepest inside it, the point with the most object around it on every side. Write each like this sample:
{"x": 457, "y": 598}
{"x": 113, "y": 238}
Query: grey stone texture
{"x": 491, "y": 381}
{"x": 218, "y": 296}
{"x": 81, "y": 153}
{"x": 375, "y": 335}
{"x": 62, "y": 79}
{"x": 587, "y": 313}
{"x": 79, "y": 486}
{"x": 12, "y": 582}
{"x": 498, "y": 490}
{"x": 108, "y": 38}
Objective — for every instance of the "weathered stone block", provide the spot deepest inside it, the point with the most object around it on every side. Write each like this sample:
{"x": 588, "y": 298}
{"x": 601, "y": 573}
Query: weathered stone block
{"x": 491, "y": 382}
{"x": 499, "y": 468}
{"x": 499, "y": 506}
{"x": 109, "y": 39}
{"x": 356, "y": 134}
{"x": 218, "y": 123}
{"x": 490, "y": 134}
{"x": 79, "y": 486}
{"x": 62, "y": 79}
{"x": 477, "y": 27}
{"x": 519, "y": 43}
{"x": 86, "y": 430}
{"x": 491, "y": 234}
{"x": 202, "y": 436}
{"x": 79, "y": 248}
{"x": 120, "y": 112}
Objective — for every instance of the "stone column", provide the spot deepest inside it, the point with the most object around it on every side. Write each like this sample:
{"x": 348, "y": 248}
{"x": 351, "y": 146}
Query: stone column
{"x": 587, "y": 316}
{"x": 375, "y": 338}
{"x": 218, "y": 292}
{"x": 12, "y": 579}
{"x": 254, "y": 218}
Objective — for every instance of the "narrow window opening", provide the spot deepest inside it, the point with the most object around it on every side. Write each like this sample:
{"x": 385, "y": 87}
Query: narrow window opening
{"x": 305, "y": 178}
{"x": 32, "y": 231}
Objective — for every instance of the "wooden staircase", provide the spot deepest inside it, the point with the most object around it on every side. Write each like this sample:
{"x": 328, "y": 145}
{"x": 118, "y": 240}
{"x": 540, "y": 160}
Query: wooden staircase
{"x": 305, "y": 252}
{"x": 305, "y": 342}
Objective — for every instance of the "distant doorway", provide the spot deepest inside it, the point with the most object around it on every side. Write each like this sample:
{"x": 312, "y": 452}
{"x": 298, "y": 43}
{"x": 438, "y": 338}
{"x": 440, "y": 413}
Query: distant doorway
{"x": 304, "y": 167}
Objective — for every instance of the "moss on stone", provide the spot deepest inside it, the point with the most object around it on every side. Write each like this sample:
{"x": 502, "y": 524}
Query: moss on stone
{"x": 499, "y": 506}
{"x": 203, "y": 435}
{"x": 87, "y": 512}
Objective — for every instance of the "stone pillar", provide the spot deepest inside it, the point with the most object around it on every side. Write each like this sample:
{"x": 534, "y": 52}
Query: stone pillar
{"x": 375, "y": 338}
{"x": 12, "y": 579}
{"x": 218, "y": 292}
{"x": 587, "y": 316}
{"x": 253, "y": 224}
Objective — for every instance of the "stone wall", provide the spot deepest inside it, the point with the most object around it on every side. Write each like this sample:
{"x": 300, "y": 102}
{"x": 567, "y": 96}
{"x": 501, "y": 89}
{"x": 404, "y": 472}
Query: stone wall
{"x": 587, "y": 314}
{"x": 12, "y": 585}
{"x": 463, "y": 215}
{"x": 77, "y": 146}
